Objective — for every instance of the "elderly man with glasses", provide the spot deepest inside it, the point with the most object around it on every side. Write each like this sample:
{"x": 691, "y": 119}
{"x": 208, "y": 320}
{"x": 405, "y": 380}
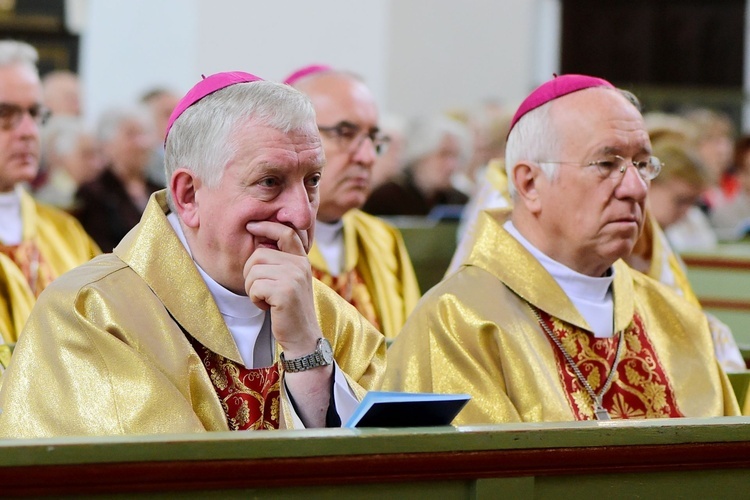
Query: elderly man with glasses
{"x": 543, "y": 321}
{"x": 37, "y": 242}
{"x": 361, "y": 257}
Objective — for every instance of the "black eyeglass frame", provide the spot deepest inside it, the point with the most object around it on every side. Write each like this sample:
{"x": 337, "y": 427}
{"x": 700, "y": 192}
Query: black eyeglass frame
{"x": 12, "y": 114}
{"x": 347, "y": 133}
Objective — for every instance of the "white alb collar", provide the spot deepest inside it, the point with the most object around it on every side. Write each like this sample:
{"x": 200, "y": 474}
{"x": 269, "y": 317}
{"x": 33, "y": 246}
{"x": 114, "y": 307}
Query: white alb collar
{"x": 11, "y": 225}
{"x": 329, "y": 237}
{"x": 591, "y": 296}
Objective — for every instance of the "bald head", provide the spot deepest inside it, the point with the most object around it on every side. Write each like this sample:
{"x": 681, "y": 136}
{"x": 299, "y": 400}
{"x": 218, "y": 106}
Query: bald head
{"x": 335, "y": 86}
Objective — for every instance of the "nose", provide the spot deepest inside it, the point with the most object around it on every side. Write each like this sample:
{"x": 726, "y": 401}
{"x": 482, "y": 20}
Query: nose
{"x": 298, "y": 209}
{"x": 364, "y": 152}
{"x": 28, "y": 126}
{"x": 632, "y": 185}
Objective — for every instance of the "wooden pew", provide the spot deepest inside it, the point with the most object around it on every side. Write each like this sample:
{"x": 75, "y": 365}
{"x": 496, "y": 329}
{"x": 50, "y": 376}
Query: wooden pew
{"x": 675, "y": 458}
{"x": 721, "y": 280}
{"x": 430, "y": 243}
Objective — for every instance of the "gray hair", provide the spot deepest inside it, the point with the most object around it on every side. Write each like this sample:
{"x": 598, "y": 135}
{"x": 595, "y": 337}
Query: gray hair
{"x": 535, "y": 138}
{"x": 202, "y": 138}
{"x": 15, "y": 52}
{"x": 111, "y": 120}
{"x": 531, "y": 139}
{"x": 424, "y": 136}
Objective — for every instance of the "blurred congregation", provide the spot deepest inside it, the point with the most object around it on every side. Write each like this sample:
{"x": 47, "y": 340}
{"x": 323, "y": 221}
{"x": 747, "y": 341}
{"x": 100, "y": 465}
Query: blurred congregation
{"x": 428, "y": 166}
{"x": 414, "y": 170}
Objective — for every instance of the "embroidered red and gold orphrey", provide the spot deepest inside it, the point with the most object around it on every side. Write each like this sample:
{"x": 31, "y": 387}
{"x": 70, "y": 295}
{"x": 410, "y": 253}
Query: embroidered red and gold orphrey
{"x": 640, "y": 388}
{"x": 352, "y": 288}
{"x": 250, "y": 397}
{"x": 32, "y": 264}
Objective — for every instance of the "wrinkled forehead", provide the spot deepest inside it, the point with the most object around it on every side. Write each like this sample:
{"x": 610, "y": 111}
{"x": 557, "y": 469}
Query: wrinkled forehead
{"x": 310, "y": 146}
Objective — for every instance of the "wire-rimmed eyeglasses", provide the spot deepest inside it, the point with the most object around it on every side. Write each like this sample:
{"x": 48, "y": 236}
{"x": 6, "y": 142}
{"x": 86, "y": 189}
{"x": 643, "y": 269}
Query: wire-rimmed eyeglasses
{"x": 349, "y": 137}
{"x": 614, "y": 167}
{"x": 12, "y": 114}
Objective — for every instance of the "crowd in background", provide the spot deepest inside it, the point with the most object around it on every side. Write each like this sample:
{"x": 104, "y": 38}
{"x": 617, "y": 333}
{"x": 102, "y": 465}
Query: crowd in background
{"x": 430, "y": 166}
{"x": 104, "y": 174}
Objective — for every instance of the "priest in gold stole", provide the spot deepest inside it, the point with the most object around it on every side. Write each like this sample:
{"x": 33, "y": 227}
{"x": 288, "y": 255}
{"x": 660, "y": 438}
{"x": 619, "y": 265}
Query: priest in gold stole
{"x": 543, "y": 321}
{"x": 206, "y": 316}
{"x": 37, "y": 242}
{"x": 361, "y": 257}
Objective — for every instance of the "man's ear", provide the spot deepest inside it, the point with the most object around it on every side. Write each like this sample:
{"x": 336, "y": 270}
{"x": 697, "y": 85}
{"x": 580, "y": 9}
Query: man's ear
{"x": 526, "y": 177}
{"x": 184, "y": 184}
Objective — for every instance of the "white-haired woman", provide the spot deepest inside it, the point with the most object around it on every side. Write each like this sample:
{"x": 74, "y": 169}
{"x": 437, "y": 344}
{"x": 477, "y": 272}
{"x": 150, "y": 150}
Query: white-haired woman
{"x": 436, "y": 148}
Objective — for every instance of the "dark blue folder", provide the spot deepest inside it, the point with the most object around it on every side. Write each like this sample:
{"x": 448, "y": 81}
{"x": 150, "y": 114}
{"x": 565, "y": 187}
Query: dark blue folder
{"x": 407, "y": 409}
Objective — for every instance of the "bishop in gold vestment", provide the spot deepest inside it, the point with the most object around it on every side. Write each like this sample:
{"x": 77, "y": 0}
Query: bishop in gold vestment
{"x": 476, "y": 333}
{"x": 368, "y": 264}
{"x": 374, "y": 251}
{"x": 652, "y": 255}
{"x": 53, "y": 243}
{"x": 37, "y": 242}
{"x": 106, "y": 350}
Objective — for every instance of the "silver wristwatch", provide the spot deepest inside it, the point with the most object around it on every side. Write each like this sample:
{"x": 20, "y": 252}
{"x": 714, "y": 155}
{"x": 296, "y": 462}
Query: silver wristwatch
{"x": 323, "y": 356}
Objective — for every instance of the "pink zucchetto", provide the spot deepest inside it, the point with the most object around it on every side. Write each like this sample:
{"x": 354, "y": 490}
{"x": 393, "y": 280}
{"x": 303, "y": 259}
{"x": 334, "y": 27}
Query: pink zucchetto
{"x": 208, "y": 85}
{"x": 555, "y": 88}
{"x": 306, "y": 71}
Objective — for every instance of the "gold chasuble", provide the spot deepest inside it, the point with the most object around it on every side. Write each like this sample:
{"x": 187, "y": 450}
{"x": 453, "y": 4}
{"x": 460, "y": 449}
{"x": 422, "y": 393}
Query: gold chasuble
{"x": 52, "y": 243}
{"x": 378, "y": 277}
{"x": 108, "y": 348}
{"x": 480, "y": 331}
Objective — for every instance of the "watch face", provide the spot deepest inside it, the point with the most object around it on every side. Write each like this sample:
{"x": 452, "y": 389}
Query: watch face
{"x": 324, "y": 347}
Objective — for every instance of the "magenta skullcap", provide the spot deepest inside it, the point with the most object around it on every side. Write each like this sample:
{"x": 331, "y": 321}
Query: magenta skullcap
{"x": 208, "y": 85}
{"x": 555, "y": 88}
{"x": 306, "y": 71}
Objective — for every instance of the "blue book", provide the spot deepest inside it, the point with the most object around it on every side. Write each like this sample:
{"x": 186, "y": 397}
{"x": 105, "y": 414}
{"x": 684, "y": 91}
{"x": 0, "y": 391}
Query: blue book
{"x": 407, "y": 409}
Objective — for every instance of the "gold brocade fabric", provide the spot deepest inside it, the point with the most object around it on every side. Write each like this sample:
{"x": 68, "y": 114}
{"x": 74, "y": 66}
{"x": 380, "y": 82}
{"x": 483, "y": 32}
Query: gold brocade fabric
{"x": 639, "y": 389}
{"x": 250, "y": 397}
{"x": 666, "y": 266}
{"x": 105, "y": 351}
{"x": 31, "y": 263}
{"x": 475, "y": 333}
{"x": 377, "y": 251}
{"x": 352, "y": 289}
{"x": 16, "y": 300}
{"x": 5, "y": 353}
{"x": 52, "y": 243}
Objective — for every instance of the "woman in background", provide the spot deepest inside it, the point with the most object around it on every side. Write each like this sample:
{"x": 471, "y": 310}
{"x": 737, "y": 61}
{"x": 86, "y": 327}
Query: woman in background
{"x": 111, "y": 204}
